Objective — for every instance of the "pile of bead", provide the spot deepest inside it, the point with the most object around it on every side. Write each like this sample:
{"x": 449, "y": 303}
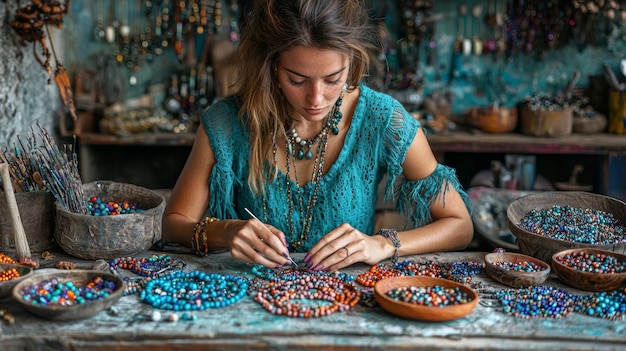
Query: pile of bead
{"x": 459, "y": 271}
{"x": 97, "y": 207}
{"x": 575, "y": 224}
{"x": 193, "y": 291}
{"x": 9, "y": 274}
{"x": 430, "y": 296}
{"x": 148, "y": 268}
{"x": 307, "y": 296}
{"x": 605, "y": 304}
{"x": 598, "y": 263}
{"x": 536, "y": 301}
{"x": 520, "y": 266}
{"x": 57, "y": 293}
{"x": 6, "y": 259}
{"x": 303, "y": 293}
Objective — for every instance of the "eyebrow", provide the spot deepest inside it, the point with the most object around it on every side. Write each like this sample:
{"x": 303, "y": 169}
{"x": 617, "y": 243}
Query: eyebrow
{"x": 303, "y": 76}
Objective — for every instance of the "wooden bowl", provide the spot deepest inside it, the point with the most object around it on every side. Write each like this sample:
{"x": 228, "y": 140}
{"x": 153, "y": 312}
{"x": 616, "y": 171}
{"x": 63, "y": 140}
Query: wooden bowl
{"x": 586, "y": 280}
{"x": 546, "y": 123}
{"x": 107, "y": 237}
{"x": 511, "y": 277}
{"x": 70, "y": 312}
{"x": 418, "y": 312}
{"x": 7, "y": 286}
{"x": 543, "y": 247}
{"x": 492, "y": 119}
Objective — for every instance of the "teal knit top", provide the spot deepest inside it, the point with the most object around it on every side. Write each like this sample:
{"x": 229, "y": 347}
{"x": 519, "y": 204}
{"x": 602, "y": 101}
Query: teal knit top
{"x": 374, "y": 150}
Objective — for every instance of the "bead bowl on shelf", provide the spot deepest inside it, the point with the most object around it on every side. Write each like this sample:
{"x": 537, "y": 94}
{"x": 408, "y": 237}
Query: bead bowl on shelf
{"x": 492, "y": 119}
{"x": 516, "y": 270}
{"x": 109, "y": 236}
{"x": 543, "y": 246}
{"x": 564, "y": 268}
{"x": 418, "y": 312}
{"x": 111, "y": 291}
{"x": 6, "y": 286}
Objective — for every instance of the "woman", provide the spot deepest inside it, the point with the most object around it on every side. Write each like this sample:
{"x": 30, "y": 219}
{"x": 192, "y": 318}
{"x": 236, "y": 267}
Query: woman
{"x": 303, "y": 143}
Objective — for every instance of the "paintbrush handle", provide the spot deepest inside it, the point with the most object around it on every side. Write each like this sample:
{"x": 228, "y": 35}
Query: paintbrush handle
{"x": 268, "y": 229}
{"x": 22, "y": 249}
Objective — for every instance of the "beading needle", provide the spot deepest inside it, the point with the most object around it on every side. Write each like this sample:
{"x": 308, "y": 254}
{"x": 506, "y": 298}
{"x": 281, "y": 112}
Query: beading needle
{"x": 255, "y": 217}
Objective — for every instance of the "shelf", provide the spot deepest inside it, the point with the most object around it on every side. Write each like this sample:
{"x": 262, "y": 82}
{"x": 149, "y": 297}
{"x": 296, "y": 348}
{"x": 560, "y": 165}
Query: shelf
{"x": 580, "y": 144}
{"x": 145, "y": 139}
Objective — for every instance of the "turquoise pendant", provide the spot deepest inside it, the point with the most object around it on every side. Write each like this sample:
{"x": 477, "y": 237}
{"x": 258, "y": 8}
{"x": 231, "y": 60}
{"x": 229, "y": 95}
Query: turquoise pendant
{"x": 308, "y": 155}
{"x": 300, "y": 154}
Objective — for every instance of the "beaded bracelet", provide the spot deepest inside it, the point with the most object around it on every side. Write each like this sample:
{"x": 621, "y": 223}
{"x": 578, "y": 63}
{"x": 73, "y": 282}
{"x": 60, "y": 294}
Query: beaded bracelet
{"x": 391, "y": 234}
{"x": 199, "y": 234}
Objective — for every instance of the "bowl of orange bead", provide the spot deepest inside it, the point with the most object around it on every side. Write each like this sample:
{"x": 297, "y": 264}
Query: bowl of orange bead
{"x": 10, "y": 275}
{"x": 516, "y": 270}
{"x": 68, "y": 295}
{"x": 590, "y": 269}
{"x": 425, "y": 299}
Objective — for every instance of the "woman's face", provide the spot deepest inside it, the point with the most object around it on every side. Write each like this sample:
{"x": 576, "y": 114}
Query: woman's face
{"x": 312, "y": 80}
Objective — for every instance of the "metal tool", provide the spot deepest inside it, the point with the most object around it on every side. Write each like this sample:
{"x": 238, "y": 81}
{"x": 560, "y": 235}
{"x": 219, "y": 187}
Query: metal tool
{"x": 255, "y": 217}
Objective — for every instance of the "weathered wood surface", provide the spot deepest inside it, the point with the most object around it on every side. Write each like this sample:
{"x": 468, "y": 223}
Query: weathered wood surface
{"x": 246, "y": 325}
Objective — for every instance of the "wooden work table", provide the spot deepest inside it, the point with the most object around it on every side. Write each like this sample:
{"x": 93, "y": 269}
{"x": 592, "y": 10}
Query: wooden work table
{"x": 246, "y": 325}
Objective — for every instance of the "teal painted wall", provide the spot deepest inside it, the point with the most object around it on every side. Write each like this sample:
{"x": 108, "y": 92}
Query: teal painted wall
{"x": 481, "y": 80}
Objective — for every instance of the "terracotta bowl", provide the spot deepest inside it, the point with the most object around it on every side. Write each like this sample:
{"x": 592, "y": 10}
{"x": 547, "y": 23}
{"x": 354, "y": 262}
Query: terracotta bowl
{"x": 586, "y": 280}
{"x": 511, "y": 277}
{"x": 543, "y": 247}
{"x": 70, "y": 312}
{"x": 418, "y": 312}
{"x": 7, "y": 286}
{"x": 492, "y": 119}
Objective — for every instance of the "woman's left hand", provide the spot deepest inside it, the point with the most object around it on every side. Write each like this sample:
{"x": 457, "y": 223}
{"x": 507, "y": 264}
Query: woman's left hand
{"x": 344, "y": 246}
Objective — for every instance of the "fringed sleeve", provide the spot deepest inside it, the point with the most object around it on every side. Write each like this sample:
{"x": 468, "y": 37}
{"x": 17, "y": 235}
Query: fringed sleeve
{"x": 413, "y": 198}
{"x": 226, "y": 141}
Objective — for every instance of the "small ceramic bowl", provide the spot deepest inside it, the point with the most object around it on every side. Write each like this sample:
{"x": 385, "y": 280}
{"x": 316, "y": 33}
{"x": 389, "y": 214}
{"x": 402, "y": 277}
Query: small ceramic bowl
{"x": 586, "y": 280}
{"x": 79, "y": 278}
{"x": 419, "y": 312}
{"x": 7, "y": 286}
{"x": 496, "y": 266}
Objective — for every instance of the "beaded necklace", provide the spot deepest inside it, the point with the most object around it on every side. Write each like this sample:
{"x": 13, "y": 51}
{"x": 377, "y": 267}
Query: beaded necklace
{"x": 461, "y": 271}
{"x": 294, "y": 150}
{"x": 193, "y": 291}
{"x": 147, "y": 268}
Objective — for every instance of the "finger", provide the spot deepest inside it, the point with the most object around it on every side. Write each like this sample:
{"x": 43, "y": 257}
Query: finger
{"x": 326, "y": 252}
{"x": 271, "y": 237}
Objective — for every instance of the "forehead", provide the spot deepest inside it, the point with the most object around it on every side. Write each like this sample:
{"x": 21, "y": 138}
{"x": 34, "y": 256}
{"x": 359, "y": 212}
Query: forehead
{"x": 311, "y": 61}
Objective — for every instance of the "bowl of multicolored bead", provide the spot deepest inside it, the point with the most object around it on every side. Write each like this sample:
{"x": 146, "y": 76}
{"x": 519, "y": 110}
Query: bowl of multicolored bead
{"x": 548, "y": 222}
{"x": 425, "y": 299}
{"x": 68, "y": 295}
{"x": 10, "y": 275}
{"x": 590, "y": 269}
{"x": 516, "y": 270}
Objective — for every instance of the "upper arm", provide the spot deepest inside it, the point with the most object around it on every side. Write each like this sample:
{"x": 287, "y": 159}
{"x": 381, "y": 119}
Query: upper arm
{"x": 419, "y": 161}
{"x": 190, "y": 196}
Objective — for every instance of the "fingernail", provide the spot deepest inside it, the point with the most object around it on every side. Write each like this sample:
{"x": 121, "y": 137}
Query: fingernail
{"x": 327, "y": 269}
{"x": 307, "y": 264}
{"x": 279, "y": 266}
{"x": 286, "y": 254}
{"x": 317, "y": 268}
{"x": 307, "y": 258}
{"x": 288, "y": 263}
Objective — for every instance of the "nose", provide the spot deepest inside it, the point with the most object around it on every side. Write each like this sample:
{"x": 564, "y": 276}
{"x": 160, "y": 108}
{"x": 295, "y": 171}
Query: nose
{"x": 315, "y": 94}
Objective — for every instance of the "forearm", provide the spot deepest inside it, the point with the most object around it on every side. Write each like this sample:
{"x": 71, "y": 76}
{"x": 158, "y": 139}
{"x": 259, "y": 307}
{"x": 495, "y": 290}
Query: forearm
{"x": 445, "y": 234}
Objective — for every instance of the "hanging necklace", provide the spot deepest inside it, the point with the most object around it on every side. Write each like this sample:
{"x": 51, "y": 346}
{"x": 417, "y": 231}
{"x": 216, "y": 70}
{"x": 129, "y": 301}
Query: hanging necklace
{"x": 296, "y": 201}
{"x": 301, "y": 144}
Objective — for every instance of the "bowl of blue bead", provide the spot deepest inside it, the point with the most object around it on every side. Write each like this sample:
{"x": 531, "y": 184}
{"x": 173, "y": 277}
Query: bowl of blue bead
{"x": 516, "y": 270}
{"x": 548, "y": 222}
{"x": 426, "y": 299}
{"x": 117, "y": 220}
{"x": 590, "y": 269}
{"x": 60, "y": 295}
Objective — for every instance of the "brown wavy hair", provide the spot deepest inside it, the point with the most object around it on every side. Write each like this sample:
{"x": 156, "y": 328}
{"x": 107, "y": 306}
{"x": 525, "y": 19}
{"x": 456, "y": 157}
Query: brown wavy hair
{"x": 272, "y": 27}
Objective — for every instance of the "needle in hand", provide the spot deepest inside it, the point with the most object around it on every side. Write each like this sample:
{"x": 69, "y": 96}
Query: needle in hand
{"x": 255, "y": 217}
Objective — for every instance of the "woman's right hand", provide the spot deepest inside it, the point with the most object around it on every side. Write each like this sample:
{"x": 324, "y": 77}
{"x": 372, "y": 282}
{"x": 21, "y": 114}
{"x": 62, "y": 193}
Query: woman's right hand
{"x": 254, "y": 242}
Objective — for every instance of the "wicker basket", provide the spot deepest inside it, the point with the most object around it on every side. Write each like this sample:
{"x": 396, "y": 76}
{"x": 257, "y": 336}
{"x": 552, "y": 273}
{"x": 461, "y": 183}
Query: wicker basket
{"x": 107, "y": 237}
{"x": 543, "y": 247}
